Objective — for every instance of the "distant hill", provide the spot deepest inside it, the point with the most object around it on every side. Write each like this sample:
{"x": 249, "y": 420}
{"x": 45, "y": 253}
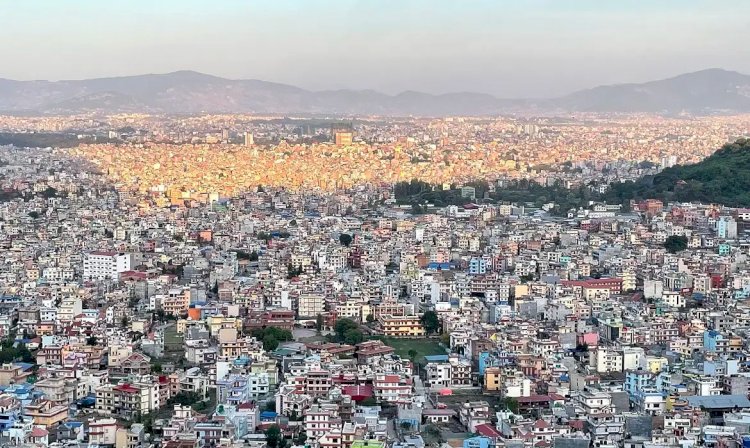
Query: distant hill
{"x": 722, "y": 178}
{"x": 708, "y": 91}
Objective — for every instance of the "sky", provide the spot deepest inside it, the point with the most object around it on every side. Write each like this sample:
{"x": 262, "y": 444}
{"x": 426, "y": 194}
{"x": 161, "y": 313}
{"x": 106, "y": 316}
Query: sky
{"x": 513, "y": 48}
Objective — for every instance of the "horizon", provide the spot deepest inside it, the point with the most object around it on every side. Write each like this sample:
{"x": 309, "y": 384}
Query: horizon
{"x": 196, "y": 72}
{"x": 538, "y": 49}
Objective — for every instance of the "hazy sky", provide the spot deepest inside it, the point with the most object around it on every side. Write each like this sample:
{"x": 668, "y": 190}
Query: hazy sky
{"x": 508, "y": 48}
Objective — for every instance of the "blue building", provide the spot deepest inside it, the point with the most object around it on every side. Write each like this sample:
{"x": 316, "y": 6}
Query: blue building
{"x": 477, "y": 442}
{"x": 710, "y": 340}
{"x": 477, "y": 266}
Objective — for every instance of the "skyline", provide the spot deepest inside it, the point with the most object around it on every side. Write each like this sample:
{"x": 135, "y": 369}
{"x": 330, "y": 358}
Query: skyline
{"x": 497, "y": 48}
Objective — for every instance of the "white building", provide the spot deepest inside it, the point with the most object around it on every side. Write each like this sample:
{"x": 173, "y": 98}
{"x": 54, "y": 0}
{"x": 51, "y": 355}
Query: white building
{"x": 438, "y": 374}
{"x": 103, "y": 265}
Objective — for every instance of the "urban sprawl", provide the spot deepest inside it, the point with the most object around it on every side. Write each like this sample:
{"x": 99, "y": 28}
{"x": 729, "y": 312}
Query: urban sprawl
{"x": 248, "y": 281}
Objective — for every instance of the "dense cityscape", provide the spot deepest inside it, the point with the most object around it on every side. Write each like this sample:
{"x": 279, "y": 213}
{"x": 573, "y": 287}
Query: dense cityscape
{"x": 374, "y": 224}
{"x": 228, "y": 281}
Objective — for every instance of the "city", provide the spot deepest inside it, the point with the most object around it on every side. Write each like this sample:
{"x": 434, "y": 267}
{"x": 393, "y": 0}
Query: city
{"x": 198, "y": 261}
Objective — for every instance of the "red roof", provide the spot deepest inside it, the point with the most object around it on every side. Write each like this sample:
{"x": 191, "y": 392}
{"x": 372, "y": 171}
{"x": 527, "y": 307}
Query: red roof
{"x": 576, "y": 424}
{"x": 534, "y": 399}
{"x": 487, "y": 430}
{"x": 127, "y": 388}
{"x": 358, "y": 393}
{"x": 38, "y": 432}
{"x": 541, "y": 424}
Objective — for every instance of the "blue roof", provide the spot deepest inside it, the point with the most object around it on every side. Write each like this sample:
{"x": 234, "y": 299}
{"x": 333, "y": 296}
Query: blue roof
{"x": 25, "y": 366}
{"x": 242, "y": 360}
{"x": 439, "y": 266}
{"x": 436, "y": 358}
{"x": 268, "y": 415}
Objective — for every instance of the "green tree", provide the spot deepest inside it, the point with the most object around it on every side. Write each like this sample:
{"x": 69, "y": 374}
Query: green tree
{"x": 369, "y": 401}
{"x": 270, "y": 343}
{"x": 34, "y": 214}
{"x": 185, "y": 398}
{"x": 319, "y": 322}
{"x": 430, "y": 321}
{"x": 675, "y": 243}
{"x": 412, "y": 354}
{"x": 271, "y": 336}
{"x": 370, "y": 318}
{"x": 15, "y": 351}
{"x": 301, "y": 439}
{"x": 345, "y": 239}
{"x": 49, "y": 192}
{"x": 274, "y": 437}
{"x": 156, "y": 368}
{"x": 353, "y": 336}
{"x": 511, "y": 404}
{"x": 526, "y": 278}
{"x": 91, "y": 340}
{"x": 342, "y": 326}
{"x": 293, "y": 271}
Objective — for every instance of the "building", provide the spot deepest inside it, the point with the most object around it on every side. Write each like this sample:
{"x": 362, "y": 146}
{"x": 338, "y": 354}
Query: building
{"x": 343, "y": 138}
{"x": 403, "y": 326}
{"x": 105, "y": 265}
{"x": 310, "y": 305}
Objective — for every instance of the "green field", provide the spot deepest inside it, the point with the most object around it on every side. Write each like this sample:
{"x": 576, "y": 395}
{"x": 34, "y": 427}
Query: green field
{"x": 174, "y": 350}
{"x": 423, "y": 347}
{"x": 173, "y": 340}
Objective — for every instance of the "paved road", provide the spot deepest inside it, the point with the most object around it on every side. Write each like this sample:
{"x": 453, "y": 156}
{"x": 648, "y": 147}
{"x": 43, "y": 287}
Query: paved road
{"x": 420, "y": 390}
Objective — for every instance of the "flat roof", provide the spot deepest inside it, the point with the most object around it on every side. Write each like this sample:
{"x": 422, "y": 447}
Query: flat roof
{"x": 719, "y": 401}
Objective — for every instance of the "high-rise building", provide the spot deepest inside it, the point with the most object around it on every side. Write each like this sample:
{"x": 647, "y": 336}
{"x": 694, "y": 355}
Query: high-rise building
{"x": 249, "y": 140}
{"x": 342, "y": 133}
{"x": 343, "y": 138}
{"x": 225, "y": 135}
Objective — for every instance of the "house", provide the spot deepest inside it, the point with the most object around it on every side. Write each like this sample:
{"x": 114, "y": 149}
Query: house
{"x": 438, "y": 416}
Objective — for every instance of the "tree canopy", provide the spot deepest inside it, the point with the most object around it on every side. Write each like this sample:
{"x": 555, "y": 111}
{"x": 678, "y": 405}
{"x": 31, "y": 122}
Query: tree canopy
{"x": 676, "y": 243}
{"x": 348, "y": 332}
{"x": 430, "y": 321}
{"x": 345, "y": 239}
{"x": 274, "y": 438}
{"x": 272, "y": 337}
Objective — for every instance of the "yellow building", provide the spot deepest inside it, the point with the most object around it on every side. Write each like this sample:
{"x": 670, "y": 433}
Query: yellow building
{"x": 492, "y": 379}
{"x": 655, "y": 364}
{"x": 217, "y": 323}
{"x": 46, "y": 413}
{"x": 403, "y": 326}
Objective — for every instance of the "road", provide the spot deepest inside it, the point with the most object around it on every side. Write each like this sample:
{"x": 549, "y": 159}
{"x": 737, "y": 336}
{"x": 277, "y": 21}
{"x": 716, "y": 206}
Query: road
{"x": 420, "y": 390}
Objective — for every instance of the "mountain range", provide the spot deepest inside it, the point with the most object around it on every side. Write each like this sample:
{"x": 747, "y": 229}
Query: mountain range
{"x": 704, "y": 92}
